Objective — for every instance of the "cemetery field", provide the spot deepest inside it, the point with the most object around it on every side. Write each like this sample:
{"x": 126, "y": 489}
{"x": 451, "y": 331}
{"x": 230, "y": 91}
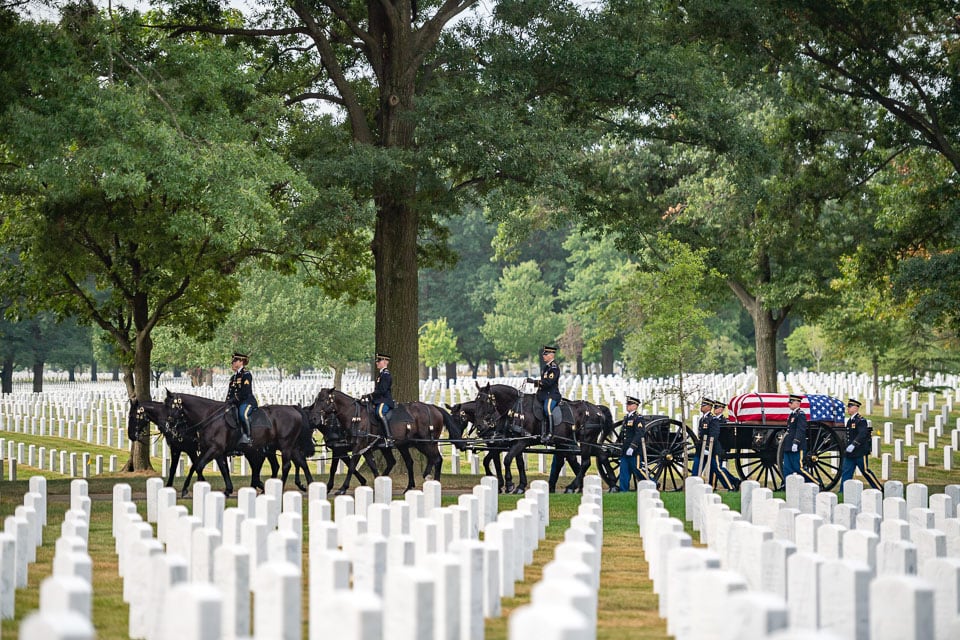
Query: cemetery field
{"x": 627, "y": 605}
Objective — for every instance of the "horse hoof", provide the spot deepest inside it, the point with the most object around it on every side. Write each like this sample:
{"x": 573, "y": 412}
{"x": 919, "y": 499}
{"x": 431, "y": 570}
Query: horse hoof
{"x": 552, "y": 489}
{"x": 302, "y": 488}
{"x": 508, "y": 488}
{"x": 519, "y": 491}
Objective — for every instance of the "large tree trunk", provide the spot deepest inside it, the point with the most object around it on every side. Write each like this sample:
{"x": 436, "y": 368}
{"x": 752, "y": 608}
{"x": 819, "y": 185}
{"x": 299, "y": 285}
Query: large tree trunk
{"x": 766, "y": 323}
{"x": 38, "y": 377}
{"x": 6, "y": 375}
{"x": 606, "y": 359}
{"x": 140, "y": 449}
{"x": 875, "y": 365}
{"x": 451, "y": 372}
{"x": 93, "y": 370}
{"x": 395, "y": 235}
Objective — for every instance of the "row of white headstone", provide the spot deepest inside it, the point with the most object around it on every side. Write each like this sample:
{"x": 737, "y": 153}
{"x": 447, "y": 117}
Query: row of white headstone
{"x": 877, "y": 566}
{"x": 409, "y": 566}
{"x": 66, "y": 595}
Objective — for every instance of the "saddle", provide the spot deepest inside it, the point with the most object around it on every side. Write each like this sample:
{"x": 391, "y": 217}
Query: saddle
{"x": 397, "y": 415}
{"x": 561, "y": 413}
{"x": 258, "y": 419}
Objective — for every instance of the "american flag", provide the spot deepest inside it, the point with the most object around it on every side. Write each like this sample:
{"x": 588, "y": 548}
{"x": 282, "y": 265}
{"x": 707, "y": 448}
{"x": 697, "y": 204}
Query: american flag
{"x": 771, "y": 408}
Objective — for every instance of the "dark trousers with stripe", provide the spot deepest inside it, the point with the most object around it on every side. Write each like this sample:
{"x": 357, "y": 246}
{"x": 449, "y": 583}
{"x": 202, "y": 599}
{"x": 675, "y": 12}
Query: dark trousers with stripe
{"x": 860, "y": 462}
{"x": 792, "y": 464}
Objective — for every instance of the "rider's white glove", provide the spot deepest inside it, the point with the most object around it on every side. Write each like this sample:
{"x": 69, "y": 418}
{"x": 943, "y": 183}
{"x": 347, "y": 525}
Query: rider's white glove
{"x": 629, "y": 452}
{"x": 794, "y": 448}
{"x": 849, "y": 448}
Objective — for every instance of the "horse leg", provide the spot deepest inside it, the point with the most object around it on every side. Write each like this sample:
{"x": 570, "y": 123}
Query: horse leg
{"x": 408, "y": 461}
{"x": 286, "y": 470}
{"x": 508, "y": 485}
{"x": 334, "y": 463}
{"x": 225, "y": 472}
{"x": 521, "y": 472}
{"x": 577, "y": 470}
{"x": 256, "y": 465}
{"x": 274, "y": 465}
{"x": 300, "y": 462}
{"x": 391, "y": 461}
{"x": 555, "y": 466}
{"x": 201, "y": 462}
{"x": 351, "y": 469}
{"x": 174, "y": 461}
{"x": 193, "y": 459}
{"x": 434, "y": 462}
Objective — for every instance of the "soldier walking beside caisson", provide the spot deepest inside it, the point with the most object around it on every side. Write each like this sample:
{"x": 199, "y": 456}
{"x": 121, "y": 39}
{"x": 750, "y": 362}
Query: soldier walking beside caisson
{"x": 719, "y": 473}
{"x": 858, "y": 446}
{"x": 703, "y": 425}
{"x": 631, "y": 438}
{"x": 795, "y": 440}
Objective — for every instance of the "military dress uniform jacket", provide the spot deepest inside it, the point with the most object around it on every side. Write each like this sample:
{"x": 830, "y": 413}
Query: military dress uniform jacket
{"x": 382, "y": 390}
{"x": 548, "y": 385}
{"x": 240, "y": 389}
{"x": 796, "y": 430}
{"x": 713, "y": 430}
{"x": 632, "y": 431}
{"x": 858, "y": 434}
{"x": 703, "y": 426}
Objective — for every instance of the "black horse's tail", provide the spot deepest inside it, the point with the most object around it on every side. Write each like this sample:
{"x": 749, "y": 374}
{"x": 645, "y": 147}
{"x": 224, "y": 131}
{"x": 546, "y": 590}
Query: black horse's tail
{"x": 608, "y": 425}
{"x": 305, "y": 440}
{"x": 454, "y": 430}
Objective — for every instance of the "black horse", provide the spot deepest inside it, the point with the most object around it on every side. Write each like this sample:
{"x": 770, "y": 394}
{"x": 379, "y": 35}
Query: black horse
{"x": 415, "y": 425}
{"x": 519, "y": 418}
{"x": 594, "y": 427}
{"x": 337, "y": 438}
{"x": 178, "y": 440}
{"x": 283, "y": 427}
{"x": 465, "y": 414}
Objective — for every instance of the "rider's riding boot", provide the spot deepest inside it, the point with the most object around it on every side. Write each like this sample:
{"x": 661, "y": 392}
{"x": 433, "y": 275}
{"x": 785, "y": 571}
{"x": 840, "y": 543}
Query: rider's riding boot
{"x": 244, "y": 433}
{"x": 388, "y": 440}
{"x": 547, "y": 436}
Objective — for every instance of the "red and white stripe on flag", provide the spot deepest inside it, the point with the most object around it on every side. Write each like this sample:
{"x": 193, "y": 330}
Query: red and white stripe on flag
{"x": 772, "y": 408}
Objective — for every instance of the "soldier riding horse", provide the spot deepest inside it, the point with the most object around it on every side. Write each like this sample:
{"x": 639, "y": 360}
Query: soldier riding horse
{"x": 410, "y": 424}
{"x": 520, "y": 421}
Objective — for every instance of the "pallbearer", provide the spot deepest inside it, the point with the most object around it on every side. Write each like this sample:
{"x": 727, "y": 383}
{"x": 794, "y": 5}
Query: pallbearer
{"x": 718, "y": 473}
{"x": 703, "y": 425}
{"x": 631, "y": 439}
{"x": 795, "y": 440}
{"x": 858, "y": 446}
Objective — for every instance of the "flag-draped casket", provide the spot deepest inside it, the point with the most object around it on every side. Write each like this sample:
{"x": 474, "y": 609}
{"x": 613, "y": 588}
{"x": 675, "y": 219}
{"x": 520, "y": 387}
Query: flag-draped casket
{"x": 771, "y": 408}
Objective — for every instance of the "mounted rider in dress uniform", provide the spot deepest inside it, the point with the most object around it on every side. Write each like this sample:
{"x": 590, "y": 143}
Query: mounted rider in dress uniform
{"x": 858, "y": 447}
{"x": 240, "y": 394}
{"x": 548, "y": 390}
{"x": 382, "y": 396}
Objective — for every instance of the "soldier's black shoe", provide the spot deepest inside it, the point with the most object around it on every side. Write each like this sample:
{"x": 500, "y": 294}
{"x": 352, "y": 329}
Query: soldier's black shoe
{"x": 546, "y": 438}
{"x": 244, "y": 440}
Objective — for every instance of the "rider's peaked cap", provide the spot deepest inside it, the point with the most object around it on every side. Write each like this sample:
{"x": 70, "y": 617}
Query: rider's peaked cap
{"x": 853, "y": 402}
{"x": 240, "y": 356}
{"x": 632, "y": 400}
{"x": 383, "y": 356}
{"x": 705, "y": 400}
{"x": 794, "y": 396}
{"x": 547, "y": 350}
